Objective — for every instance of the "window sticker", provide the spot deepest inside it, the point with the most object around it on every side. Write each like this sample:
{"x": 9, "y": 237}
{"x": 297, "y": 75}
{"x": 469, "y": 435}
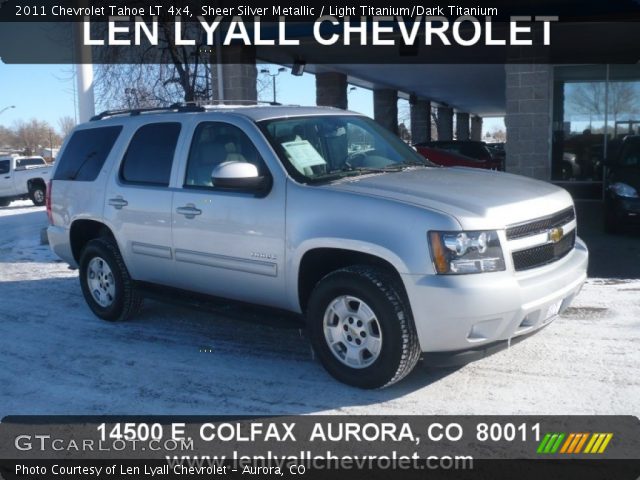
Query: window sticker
{"x": 302, "y": 154}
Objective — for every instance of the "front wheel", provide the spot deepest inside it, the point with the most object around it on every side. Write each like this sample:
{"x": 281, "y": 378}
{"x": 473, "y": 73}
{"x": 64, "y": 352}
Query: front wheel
{"x": 106, "y": 285}
{"x": 361, "y": 327}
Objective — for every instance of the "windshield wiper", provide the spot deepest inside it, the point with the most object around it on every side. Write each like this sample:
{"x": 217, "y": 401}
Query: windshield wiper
{"x": 356, "y": 171}
{"x": 415, "y": 163}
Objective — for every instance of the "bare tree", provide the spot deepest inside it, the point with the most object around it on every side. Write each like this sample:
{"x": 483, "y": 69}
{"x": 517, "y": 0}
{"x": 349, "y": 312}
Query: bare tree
{"x": 7, "y": 137}
{"x": 66, "y": 124}
{"x": 589, "y": 99}
{"x": 497, "y": 135}
{"x": 34, "y": 134}
{"x": 135, "y": 77}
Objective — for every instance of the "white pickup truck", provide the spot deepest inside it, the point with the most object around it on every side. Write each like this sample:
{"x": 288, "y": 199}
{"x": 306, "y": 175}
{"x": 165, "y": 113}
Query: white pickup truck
{"x": 23, "y": 177}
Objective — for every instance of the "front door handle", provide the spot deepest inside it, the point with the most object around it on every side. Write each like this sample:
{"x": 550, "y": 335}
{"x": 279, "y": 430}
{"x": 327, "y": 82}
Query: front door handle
{"x": 8, "y": 177}
{"x": 189, "y": 210}
{"x": 118, "y": 202}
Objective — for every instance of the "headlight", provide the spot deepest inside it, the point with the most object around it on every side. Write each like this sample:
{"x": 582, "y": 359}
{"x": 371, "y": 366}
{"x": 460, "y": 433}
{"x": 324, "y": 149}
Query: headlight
{"x": 624, "y": 190}
{"x": 466, "y": 252}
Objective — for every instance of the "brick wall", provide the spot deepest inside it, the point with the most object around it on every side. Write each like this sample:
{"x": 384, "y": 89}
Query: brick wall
{"x": 528, "y": 119}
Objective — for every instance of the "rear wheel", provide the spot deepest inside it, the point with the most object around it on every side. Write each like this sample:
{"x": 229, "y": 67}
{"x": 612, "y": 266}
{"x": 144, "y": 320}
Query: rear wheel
{"x": 37, "y": 194}
{"x": 361, "y": 327}
{"x": 106, "y": 285}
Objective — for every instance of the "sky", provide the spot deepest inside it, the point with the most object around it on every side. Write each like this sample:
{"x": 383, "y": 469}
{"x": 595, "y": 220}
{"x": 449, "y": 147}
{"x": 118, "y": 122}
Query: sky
{"x": 47, "y": 92}
{"x": 44, "y": 92}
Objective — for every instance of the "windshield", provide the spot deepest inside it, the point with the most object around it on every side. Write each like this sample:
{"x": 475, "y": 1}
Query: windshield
{"x": 322, "y": 148}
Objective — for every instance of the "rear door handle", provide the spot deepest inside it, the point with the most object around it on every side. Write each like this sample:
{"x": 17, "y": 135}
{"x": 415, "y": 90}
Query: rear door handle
{"x": 189, "y": 210}
{"x": 118, "y": 202}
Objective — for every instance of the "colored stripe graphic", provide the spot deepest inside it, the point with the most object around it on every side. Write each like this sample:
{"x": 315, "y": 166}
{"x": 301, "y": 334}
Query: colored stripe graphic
{"x": 551, "y": 443}
{"x": 567, "y": 443}
{"x": 604, "y": 445}
{"x": 543, "y": 443}
{"x": 582, "y": 442}
{"x": 599, "y": 442}
{"x": 573, "y": 443}
{"x": 555, "y": 447}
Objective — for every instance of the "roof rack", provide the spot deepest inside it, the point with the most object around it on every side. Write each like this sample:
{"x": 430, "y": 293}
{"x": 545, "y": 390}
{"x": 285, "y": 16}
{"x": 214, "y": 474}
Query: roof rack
{"x": 176, "y": 107}
{"x": 231, "y": 102}
{"x": 180, "y": 107}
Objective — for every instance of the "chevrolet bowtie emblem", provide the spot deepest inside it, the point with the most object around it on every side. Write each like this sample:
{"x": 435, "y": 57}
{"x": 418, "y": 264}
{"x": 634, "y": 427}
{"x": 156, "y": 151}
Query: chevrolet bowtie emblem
{"x": 556, "y": 234}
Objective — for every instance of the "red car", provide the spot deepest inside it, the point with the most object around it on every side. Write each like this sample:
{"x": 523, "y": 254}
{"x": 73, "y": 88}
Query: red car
{"x": 460, "y": 154}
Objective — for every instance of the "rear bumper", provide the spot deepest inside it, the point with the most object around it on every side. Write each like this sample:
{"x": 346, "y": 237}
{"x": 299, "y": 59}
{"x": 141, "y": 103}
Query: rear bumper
{"x": 468, "y": 312}
{"x": 60, "y": 244}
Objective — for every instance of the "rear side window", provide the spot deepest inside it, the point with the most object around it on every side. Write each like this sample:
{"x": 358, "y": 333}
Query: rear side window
{"x": 150, "y": 154}
{"x": 30, "y": 162}
{"x": 4, "y": 166}
{"x": 86, "y": 153}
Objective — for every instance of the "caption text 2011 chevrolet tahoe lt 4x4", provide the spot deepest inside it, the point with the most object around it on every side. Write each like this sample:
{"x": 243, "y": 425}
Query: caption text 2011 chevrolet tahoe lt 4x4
{"x": 317, "y": 211}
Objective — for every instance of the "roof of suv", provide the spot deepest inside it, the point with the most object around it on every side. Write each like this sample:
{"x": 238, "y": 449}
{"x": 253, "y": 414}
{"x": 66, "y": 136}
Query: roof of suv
{"x": 254, "y": 112}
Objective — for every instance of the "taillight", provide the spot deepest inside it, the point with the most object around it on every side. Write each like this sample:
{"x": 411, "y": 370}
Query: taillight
{"x": 48, "y": 200}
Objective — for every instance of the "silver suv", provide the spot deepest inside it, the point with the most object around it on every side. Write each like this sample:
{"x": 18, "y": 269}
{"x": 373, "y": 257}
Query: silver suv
{"x": 320, "y": 212}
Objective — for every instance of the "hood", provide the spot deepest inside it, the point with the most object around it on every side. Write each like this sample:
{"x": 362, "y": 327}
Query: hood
{"x": 478, "y": 199}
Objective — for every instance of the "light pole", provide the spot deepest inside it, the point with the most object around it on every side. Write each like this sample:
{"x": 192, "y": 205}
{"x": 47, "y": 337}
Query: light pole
{"x": 7, "y": 108}
{"x": 273, "y": 78}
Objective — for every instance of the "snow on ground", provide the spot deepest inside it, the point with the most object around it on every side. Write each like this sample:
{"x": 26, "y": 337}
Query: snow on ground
{"x": 57, "y": 358}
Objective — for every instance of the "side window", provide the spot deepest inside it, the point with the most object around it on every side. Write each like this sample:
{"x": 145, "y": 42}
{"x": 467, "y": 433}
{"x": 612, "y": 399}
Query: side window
{"x": 215, "y": 143}
{"x": 150, "y": 154}
{"x": 30, "y": 162}
{"x": 86, "y": 153}
{"x": 4, "y": 167}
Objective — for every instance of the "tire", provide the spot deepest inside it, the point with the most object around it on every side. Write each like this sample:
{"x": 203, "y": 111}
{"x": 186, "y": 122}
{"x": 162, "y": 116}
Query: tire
{"x": 361, "y": 327}
{"x": 4, "y": 202}
{"x": 105, "y": 281}
{"x": 37, "y": 194}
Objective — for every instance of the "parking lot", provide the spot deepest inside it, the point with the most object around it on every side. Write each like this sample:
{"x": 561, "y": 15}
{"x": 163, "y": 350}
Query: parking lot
{"x": 58, "y": 358}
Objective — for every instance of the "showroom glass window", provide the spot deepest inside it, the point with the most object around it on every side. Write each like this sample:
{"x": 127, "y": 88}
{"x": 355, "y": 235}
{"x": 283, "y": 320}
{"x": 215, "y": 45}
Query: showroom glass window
{"x": 595, "y": 107}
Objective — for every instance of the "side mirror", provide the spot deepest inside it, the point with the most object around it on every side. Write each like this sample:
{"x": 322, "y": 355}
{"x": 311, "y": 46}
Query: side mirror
{"x": 237, "y": 176}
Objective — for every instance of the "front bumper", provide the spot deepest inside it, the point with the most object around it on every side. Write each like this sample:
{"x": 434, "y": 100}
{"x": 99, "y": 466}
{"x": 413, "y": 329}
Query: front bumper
{"x": 454, "y": 313}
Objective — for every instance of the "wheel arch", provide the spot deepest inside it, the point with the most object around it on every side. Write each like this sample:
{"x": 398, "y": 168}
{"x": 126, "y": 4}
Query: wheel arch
{"x": 315, "y": 263}
{"x": 82, "y": 231}
{"x": 32, "y": 182}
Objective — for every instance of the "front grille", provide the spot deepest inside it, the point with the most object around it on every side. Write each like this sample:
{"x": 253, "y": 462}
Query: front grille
{"x": 541, "y": 225}
{"x": 543, "y": 254}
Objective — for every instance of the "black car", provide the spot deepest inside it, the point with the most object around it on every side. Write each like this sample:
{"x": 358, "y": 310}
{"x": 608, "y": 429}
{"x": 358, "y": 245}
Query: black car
{"x": 622, "y": 196}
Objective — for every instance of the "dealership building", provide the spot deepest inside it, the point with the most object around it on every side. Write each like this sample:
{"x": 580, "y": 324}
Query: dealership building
{"x": 562, "y": 118}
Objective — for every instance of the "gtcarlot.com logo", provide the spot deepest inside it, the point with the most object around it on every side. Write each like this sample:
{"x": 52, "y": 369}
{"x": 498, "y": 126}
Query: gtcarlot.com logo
{"x": 574, "y": 443}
